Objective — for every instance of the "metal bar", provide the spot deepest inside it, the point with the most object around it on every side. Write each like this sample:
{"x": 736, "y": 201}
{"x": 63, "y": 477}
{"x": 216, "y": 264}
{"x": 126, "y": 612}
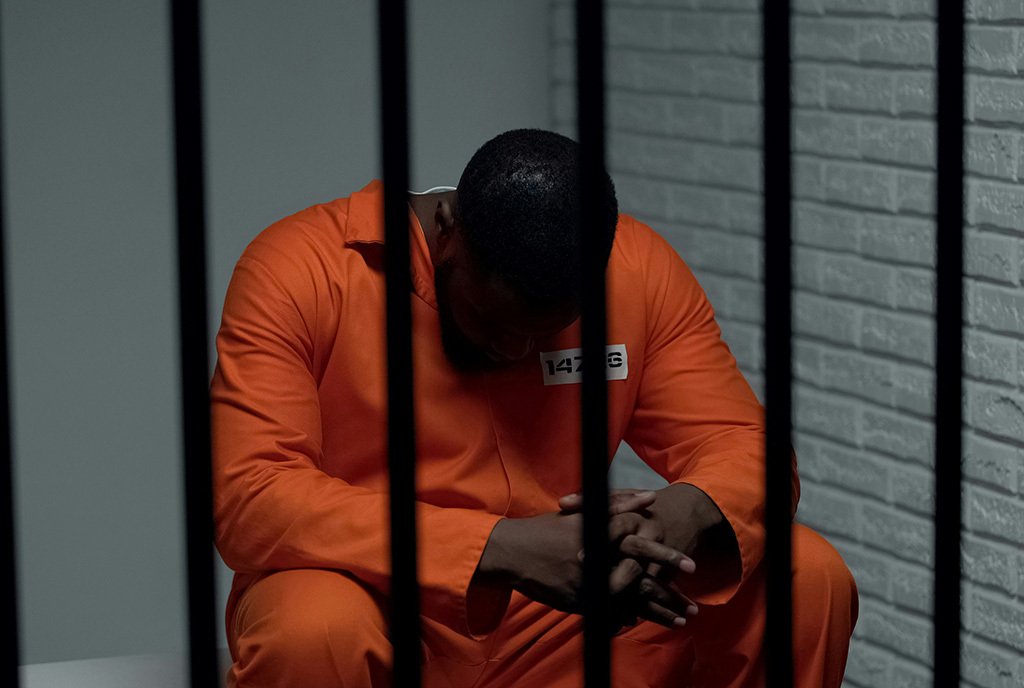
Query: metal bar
{"x": 778, "y": 642}
{"x": 9, "y": 574}
{"x": 948, "y": 340}
{"x": 594, "y": 431}
{"x": 405, "y": 604}
{"x": 194, "y": 342}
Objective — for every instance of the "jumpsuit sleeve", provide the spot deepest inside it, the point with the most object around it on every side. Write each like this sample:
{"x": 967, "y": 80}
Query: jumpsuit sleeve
{"x": 274, "y": 506}
{"x": 696, "y": 419}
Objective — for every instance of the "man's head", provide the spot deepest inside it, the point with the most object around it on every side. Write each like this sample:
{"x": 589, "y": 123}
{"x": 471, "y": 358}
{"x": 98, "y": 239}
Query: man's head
{"x": 508, "y": 250}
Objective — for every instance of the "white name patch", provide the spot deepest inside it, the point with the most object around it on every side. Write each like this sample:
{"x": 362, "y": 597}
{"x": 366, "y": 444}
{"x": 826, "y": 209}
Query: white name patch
{"x": 564, "y": 367}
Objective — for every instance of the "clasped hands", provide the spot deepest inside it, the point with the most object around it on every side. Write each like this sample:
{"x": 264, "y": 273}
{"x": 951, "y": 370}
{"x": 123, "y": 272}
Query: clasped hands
{"x": 651, "y": 535}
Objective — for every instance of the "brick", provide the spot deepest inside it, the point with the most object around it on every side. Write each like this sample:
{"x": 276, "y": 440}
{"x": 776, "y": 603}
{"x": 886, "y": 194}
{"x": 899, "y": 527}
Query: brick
{"x": 745, "y": 342}
{"x": 634, "y": 112}
{"x": 746, "y": 301}
{"x": 807, "y": 6}
{"x": 986, "y": 666}
{"x": 662, "y": 72}
{"x": 903, "y": 535}
{"x": 915, "y": 192}
{"x": 898, "y": 436}
{"x": 826, "y": 415}
{"x": 992, "y": 49}
{"x": 693, "y": 204}
{"x": 743, "y": 125}
{"x": 909, "y": 44}
{"x": 989, "y": 563}
{"x": 637, "y": 28}
{"x": 728, "y": 166}
{"x": 990, "y": 357}
{"x": 902, "y": 239}
{"x": 908, "y": 143}
{"x": 993, "y": 514}
{"x": 857, "y": 374}
{"x": 808, "y": 178}
{"x": 915, "y": 290}
{"x": 914, "y": 8}
{"x": 912, "y": 588}
{"x": 997, "y": 308}
{"x": 858, "y": 6}
{"x": 807, "y": 269}
{"x": 845, "y": 468}
{"x": 826, "y": 319}
{"x": 744, "y": 213}
{"x": 806, "y": 362}
{"x": 914, "y": 489}
{"x": 992, "y": 152}
{"x": 872, "y": 571}
{"x": 995, "y": 10}
{"x": 901, "y": 335}
{"x": 808, "y": 85}
{"x": 728, "y": 254}
{"x": 826, "y": 134}
{"x": 825, "y": 39}
{"x": 914, "y": 93}
{"x": 665, "y": 158}
{"x": 868, "y": 665}
{"x": 728, "y": 78}
{"x": 729, "y": 4}
{"x": 864, "y": 90}
{"x": 697, "y": 118}
{"x": 854, "y": 278}
{"x": 858, "y": 185}
{"x": 563, "y": 23}
{"x": 642, "y": 197}
{"x": 696, "y": 32}
{"x": 830, "y": 511}
{"x": 991, "y": 463}
{"x": 997, "y": 619}
{"x": 995, "y": 204}
{"x": 993, "y": 256}
{"x": 821, "y": 226}
{"x": 563, "y": 102}
{"x": 905, "y": 675}
{"x": 744, "y": 36}
{"x": 563, "y": 64}
{"x": 997, "y": 411}
{"x": 997, "y": 100}
{"x": 905, "y": 634}
{"x": 913, "y": 390}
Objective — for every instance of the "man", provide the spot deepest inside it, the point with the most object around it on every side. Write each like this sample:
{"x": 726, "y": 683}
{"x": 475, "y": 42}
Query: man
{"x": 299, "y": 406}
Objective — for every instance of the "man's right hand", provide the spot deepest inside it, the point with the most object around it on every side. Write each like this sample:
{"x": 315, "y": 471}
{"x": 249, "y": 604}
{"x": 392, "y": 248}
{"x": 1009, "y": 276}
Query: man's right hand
{"x": 538, "y": 556}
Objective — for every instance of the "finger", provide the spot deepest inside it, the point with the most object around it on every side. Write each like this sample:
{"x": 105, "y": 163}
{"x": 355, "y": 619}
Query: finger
{"x": 656, "y": 553}
{"x": 652, "y": 611}
{"x": 619, "y": 502}
{"x": 630, "y": 501}
{"x": 623, "y": 574}
{"x": 666, "y": 595}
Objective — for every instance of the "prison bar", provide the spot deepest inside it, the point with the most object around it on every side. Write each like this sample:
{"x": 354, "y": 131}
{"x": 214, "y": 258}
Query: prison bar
{"x": 194, "y": 342}
{"x": 9, "y": 574}
{"x": 594, "y": 387}
{"x": 948, "y": 340}
{"x": 778, "y": 375}
{"x": 404, "y": 625}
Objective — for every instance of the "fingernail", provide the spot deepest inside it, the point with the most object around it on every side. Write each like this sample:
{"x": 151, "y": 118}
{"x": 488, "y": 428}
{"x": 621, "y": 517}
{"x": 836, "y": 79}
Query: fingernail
{"x": 679, "y": 621}
{"x": 646, "y": 495}
{"x": 688, "y": 565}
{"x": 691, "y": 610}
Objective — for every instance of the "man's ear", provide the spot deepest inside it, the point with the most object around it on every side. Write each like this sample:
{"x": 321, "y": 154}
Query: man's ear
{"x": 444, "y": 217}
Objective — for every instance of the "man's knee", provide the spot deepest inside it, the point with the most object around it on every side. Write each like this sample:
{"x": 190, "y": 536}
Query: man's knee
{"x": 821, "y": 579}
{"x": 292, "y": 624}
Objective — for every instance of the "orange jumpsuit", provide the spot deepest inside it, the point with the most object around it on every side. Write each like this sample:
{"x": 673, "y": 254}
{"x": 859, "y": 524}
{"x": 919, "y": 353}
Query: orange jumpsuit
{"x": 299, "y": 420}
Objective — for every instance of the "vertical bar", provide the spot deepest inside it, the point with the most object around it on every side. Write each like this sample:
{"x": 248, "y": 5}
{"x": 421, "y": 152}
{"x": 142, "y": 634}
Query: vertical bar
{"x": 948, "y": 339}
{"x": 8, "y": 550}
{"x": 778, "y": 641}
{"x": 594, "y": 392}
{"x": 195, "y": 380}
{"x": 405, "y": 605}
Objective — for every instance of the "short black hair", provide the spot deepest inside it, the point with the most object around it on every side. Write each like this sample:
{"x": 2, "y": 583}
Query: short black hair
{"x": 517, "y": 206}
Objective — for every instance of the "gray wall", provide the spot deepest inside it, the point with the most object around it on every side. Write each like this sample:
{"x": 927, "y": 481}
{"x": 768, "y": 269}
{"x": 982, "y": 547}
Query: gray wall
{"x": 684, "y": 147}
{"x": 291, "y": 108}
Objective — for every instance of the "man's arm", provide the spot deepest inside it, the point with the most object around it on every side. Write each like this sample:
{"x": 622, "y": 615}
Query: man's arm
{"x": 274, "y": 507}
{"x": 698, "y": 424}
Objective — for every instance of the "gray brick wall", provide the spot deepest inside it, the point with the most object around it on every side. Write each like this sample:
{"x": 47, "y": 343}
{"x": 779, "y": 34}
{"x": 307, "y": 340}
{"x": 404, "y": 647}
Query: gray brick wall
{"x": 684, "y": 127}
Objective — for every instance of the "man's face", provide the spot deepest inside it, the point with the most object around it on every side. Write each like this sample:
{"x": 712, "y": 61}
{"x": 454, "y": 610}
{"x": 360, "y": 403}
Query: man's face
{"x": 484, "y": 325}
